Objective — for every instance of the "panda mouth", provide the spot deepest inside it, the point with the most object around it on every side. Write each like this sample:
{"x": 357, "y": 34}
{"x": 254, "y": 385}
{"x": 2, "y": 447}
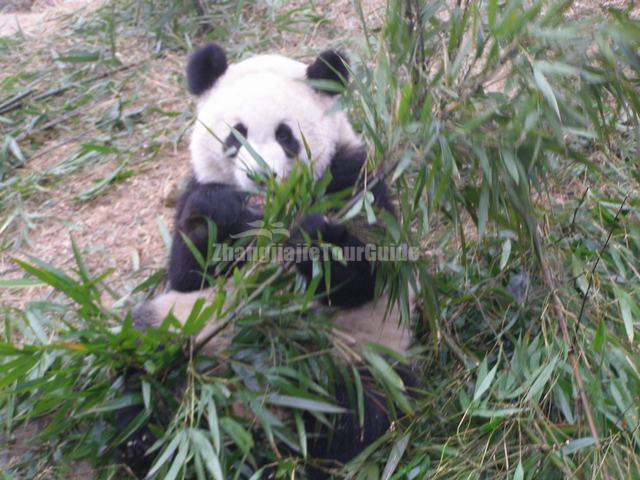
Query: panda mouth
{"x": 257, "y": 200}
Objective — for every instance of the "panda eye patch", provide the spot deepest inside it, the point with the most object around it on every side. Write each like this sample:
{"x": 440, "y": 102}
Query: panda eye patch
{"x": 231, "y": 143}
{"x": 284, "y": 136}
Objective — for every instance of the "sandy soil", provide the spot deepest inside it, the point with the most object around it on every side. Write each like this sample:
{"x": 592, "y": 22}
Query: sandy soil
{"x": 38, "y": 17}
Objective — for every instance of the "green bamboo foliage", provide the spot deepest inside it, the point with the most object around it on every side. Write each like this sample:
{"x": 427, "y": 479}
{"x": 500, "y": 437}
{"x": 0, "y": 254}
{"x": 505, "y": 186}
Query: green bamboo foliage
{"x": 509, "y": 131}
{"x": 498, "y": 105}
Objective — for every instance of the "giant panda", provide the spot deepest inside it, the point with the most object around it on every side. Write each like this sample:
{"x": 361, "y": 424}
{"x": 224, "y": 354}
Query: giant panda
{"x": 278, "y": 106}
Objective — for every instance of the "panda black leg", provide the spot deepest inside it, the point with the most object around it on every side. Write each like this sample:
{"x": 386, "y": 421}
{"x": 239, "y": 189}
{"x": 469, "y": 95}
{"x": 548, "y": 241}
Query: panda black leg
{"x": 132, "y": 451}
{"x": 348, "y": 437}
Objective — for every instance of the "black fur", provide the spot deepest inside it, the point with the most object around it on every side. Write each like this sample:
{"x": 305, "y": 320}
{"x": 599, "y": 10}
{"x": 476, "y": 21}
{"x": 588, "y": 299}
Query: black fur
{"x": 347, "y": 438}
{"x": 284, "y": 136}
{"x": 346, "y": 168}
{"x": 205, "y": 66}
{"x": 132, "y": 451}
{"x": 232, "y": 142}
{"x": 226, "y": 207}
{"x": 330, "y": 65}
{"x": 353, "y": 283}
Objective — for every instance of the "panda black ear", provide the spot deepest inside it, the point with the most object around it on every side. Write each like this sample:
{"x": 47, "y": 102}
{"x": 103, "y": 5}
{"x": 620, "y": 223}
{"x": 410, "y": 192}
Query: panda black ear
{"x": 330, "y": 65}
{"x": 205, "y": 66}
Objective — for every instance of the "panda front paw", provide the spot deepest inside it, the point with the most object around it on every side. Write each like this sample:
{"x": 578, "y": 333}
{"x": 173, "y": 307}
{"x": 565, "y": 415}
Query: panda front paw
{"x": 320, "y": 227}
{"x": 352, "y": 280}
{"x": 133, "y": 451}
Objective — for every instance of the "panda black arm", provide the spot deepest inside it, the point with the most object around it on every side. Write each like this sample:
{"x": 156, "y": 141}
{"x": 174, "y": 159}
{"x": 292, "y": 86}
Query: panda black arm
{"x": 346, "y": 168}
{"x": 353, "y": 283}
{"x": 222, "y": 204}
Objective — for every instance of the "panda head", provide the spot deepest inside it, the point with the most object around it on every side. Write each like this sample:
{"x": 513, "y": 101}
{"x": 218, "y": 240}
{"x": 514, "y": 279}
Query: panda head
{"x": 269, "y": 101}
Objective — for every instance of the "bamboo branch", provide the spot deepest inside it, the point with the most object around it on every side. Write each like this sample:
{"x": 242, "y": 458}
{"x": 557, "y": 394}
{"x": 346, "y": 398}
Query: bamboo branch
{"x": 211, "y": 331}
{"x": 14, "y": 103}
{"x": 595, "y": 265}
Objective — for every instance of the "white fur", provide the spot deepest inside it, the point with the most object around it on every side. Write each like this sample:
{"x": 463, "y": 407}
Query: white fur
{"x": 180, "y": 304}
{"x": 356, "y": 326}
{"x": 262, "y": 92}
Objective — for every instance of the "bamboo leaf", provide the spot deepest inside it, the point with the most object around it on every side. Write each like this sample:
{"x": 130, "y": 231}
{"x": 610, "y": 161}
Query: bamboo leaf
{"x": 302, "y": 403}
{"x": 627, "y": 306}
{"x": 211, "y": 461}
{"x": 546, "y": 90}
{"x": 484, "y": 379}
{"x": 396, "y": 455}
{"x": 167, "y": 453}
{"x": 576, "y": 445}
{"x": 541, "y": 379}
